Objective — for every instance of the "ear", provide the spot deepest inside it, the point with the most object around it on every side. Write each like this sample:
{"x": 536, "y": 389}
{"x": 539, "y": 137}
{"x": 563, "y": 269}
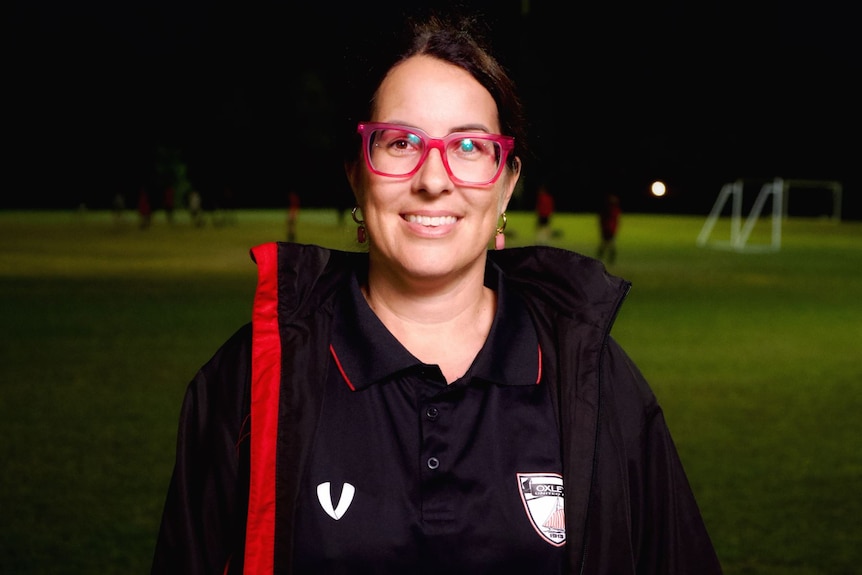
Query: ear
{"x": 353, "y": 173}
{"x": 512, "y": 177}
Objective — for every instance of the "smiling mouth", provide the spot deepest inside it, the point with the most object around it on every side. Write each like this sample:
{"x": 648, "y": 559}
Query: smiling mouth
{"x": 431, "y": 221}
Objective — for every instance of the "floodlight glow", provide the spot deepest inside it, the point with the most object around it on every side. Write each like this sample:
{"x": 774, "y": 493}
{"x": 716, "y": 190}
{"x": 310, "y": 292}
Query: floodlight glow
{"x": 658, "y": 188}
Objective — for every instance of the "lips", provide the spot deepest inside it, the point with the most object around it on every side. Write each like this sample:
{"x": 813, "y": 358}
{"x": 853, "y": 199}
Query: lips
{"x": 431, "y": 221}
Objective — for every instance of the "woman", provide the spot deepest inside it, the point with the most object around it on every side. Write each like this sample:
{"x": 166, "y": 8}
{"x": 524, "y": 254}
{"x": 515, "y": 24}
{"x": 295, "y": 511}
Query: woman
{"x": 429, "y": 406}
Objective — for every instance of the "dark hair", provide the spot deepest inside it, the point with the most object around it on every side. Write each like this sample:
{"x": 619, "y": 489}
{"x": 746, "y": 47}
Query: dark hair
{"x": 457, "y": 38}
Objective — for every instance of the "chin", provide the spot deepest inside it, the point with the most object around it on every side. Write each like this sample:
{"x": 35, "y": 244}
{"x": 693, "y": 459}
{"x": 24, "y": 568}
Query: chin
{"x": 439, "y": 261}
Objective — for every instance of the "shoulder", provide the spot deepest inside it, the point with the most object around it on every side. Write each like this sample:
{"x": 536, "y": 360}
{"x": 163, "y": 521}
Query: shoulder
{"x": 626, "y": 384}
{"x": 303, "y": 277}
{"x": 216, "y": 397}
{"x": 563, "y": 282}
{"x": 234, "y": 353}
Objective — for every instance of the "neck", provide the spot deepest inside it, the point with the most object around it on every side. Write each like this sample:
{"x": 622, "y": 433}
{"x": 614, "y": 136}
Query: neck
{"x": 440, "y": 323}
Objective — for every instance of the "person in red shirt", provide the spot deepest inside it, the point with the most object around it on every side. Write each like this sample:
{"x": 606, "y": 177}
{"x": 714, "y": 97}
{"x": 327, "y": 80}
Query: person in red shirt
{"x": 292, "y": 215}
{"x": 609, "y": 222}
{"x": 544, "y": 211}
{"x": 144, "y": 209}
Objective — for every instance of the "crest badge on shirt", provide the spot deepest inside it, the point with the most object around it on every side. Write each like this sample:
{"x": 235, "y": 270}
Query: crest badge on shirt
{"x": 542, "y": 495}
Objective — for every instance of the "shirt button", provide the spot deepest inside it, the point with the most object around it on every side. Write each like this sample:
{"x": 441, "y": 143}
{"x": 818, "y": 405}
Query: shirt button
{"x": 432, "y": 413}
{"x": 433, "y": 463}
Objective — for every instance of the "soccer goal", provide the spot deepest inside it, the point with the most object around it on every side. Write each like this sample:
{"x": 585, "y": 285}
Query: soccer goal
{"x": 740, "y": 231}
{"x": 778, "y": 191}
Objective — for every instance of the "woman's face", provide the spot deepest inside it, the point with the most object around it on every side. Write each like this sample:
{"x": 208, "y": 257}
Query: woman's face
{"x": 426, "y": 226}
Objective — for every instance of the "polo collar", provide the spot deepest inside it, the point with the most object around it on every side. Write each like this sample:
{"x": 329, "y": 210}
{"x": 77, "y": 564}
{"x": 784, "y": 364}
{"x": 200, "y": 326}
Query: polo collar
{"x": 367, "y": 353}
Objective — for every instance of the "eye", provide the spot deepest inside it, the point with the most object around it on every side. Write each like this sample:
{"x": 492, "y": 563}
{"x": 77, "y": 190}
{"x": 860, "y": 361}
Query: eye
{"x": 467, "y": 145}
{"x": 406, "y": 141}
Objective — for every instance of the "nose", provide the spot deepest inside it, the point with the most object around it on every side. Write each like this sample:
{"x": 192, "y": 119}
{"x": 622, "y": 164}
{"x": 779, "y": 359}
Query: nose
{"x": 433, "y": 175}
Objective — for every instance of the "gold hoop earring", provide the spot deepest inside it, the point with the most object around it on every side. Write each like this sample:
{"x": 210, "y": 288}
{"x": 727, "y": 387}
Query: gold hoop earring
{"x": 361, "y": 233}
{"x": 500, "y": 238}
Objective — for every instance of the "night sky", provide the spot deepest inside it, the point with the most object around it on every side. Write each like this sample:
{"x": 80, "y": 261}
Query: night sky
{"x": 617, "y": 94}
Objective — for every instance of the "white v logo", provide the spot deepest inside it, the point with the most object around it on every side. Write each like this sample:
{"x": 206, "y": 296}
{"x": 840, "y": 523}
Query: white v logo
{"x": 344, "y": 501}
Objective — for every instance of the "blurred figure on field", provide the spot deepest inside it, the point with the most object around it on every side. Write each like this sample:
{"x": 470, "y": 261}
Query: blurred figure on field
{"x": 292, "y": 215}
{"x": 544, "y": 211}
{"x": 145, "y": 210}
{"x": 118, "y": 207}
{"x": 609, "y": 223}
{"x": 196, "y": 208}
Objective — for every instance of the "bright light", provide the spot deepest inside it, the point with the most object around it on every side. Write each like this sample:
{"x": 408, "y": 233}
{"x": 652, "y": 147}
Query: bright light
{"x": 658, "y": 189}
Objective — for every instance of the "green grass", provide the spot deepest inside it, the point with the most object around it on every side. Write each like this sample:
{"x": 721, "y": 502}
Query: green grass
{"x": 755, "y": 357}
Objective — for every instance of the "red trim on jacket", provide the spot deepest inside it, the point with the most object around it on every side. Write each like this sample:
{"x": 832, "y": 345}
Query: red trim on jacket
{"x": 266, "y": 383}
{"x": 539, "y": 375}
{"x": 341, "y": 369}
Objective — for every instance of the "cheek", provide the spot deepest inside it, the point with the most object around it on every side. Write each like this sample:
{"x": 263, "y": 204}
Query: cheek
{"x": 490, "y": 210}
{"x": 364, "y": 187}
{"x": 379, "y": 196}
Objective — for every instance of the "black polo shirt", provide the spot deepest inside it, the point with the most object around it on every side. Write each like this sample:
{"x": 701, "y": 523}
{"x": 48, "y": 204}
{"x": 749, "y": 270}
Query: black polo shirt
{"x": 409, "y": 475}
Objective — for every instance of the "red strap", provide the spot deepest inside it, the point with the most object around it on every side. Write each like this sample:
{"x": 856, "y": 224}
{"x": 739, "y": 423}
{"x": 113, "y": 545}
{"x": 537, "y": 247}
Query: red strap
{"x": 265, "y": 385}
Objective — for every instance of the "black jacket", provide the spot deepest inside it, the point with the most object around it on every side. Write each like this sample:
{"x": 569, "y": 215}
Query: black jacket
{"x": 629, "y": 508}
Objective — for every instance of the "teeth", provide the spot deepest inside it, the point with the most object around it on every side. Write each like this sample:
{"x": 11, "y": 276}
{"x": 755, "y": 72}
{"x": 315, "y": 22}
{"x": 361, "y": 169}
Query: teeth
{"x": 431, "y": 221}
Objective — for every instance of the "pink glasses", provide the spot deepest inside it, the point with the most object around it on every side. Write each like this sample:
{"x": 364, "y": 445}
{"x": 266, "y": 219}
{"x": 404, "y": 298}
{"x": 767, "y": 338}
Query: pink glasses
{"x": 470, "y": 158}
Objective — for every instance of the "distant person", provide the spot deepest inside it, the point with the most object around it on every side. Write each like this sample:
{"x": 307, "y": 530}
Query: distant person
{"x": 292, "y": 215}
{"x": 544, "y": 211}
{"x": 609, "y": 223}
{"x": 428, "y": 405}
{"x": 118, "y": 207}
{"x": 145, "y": 209}
{"x": 196, "y": 208}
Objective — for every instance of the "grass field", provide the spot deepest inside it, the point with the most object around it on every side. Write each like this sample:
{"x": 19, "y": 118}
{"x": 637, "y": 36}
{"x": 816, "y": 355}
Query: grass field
{"x": 756, "y": 358}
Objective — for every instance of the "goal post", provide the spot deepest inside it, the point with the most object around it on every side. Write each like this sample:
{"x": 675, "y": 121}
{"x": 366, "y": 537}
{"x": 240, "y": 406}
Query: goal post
{"x": 740, "y": 230}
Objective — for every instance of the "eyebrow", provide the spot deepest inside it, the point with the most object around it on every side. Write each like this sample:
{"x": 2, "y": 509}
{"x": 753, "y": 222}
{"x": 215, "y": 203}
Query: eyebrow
{"x": 471, "y": 128}
{"x": 454, "y": 130}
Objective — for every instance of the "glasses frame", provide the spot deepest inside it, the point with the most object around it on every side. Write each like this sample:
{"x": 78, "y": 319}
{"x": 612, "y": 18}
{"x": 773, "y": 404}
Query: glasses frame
{"x": 507, "y": 144}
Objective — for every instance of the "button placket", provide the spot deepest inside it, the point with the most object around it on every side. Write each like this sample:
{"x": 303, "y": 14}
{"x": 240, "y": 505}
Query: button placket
{"x": 431, "y": 414}
{"x": 439, "y": 493}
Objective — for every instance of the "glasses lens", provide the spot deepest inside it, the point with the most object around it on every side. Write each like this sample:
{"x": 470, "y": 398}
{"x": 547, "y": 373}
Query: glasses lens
{"x": 394, "y": 152}
{"x": 474, "y": 159}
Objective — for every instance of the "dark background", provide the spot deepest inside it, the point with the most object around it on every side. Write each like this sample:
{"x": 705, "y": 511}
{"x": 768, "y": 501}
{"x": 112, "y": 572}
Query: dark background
{"x": 697, "y": 94}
